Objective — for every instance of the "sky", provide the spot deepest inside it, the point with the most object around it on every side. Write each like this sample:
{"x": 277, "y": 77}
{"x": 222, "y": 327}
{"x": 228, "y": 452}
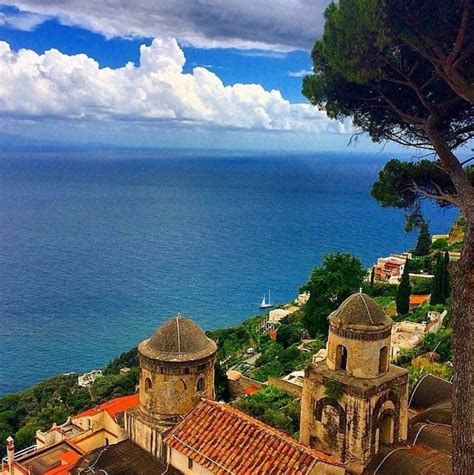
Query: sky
{"x": 156, "y": 73}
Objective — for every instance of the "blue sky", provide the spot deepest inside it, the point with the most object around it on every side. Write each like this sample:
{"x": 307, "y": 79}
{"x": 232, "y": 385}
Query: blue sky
{"x": 205, "y": 73}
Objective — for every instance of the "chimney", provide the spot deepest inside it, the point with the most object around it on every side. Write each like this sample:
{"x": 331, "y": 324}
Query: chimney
{"x": 10, "y": 453}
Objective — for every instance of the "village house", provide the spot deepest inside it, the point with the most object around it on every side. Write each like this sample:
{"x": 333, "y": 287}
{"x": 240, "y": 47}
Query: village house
{"x": 390, "y": 269}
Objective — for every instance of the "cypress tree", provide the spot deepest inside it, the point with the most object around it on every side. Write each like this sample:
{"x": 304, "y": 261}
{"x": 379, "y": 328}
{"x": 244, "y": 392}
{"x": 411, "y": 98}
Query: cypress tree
{"x": 439, "y": 284}
{"x": 423, "y": 244}
{"x": 372, "y": 277}
{"x": 447, "y": 277}
{"x": 403, "y": 292}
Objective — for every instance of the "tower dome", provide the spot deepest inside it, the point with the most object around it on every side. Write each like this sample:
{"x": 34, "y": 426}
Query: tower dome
{"x": 359, "y": 338}
{"x": 176, "y": 369}
{"x": 360, "y": 313}
{"x": 178, "y": 339}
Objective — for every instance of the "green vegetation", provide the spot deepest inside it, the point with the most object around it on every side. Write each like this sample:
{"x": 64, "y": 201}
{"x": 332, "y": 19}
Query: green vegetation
{"x": 340, "y": 275}
{"x": 55, "y": 399}
{"x": 404, "y": 291}
{"x": 407, "y": 78}
{"x": 334, "y": 389}
{"x": 423, "y": 244}
{"x": 441, "y": 281}
{"x": 274, "y": 407}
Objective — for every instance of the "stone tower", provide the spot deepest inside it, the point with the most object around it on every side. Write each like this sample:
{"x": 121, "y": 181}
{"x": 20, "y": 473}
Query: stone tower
{"x": 176, "y": 371}
{"x": 355, "y": 400}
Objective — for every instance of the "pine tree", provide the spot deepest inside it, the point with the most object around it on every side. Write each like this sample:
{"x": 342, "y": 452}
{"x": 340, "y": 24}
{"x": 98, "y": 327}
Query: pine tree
{"x": 404, "y": 291}
{"x": 423, "y": 244}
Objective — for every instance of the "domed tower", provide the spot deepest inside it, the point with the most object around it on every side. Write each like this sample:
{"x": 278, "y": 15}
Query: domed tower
{"x": 359, "y": 338}
{"x": 355, "y": 400}
{"x": 177, "y": 369}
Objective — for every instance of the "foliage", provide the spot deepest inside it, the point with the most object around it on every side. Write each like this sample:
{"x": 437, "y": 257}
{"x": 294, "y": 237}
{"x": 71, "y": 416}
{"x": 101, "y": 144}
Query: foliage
{"x": 404, "y": 291}
{"x": 289, "y": 334}
{"x": 273, "y": 368}
{"x": 440, "y": 245}
{"x": 423, "y": 244}
{"x": 385, "y": 302}
{"x": 440, "y": 343}
{"x": 53, "y": 400}
{"x": 381, "y": 289}
{"x": 334, "y": 389}
{"x": 129, "y": 359}
{"x": 422, "y": 366}
{"x": 221, "y": 383}
{"x": 416, "y": 265}
{"x": 273, "y": 406}
{"x": 441, "y": 281}
{"x": 420, "y": 285}
{"x": 289, "y": 358}
{"x": 340, "y": 275}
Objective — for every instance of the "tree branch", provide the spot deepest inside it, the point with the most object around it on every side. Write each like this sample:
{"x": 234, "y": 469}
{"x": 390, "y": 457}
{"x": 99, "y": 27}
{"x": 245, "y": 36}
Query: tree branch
{"x": 440, "y": 197}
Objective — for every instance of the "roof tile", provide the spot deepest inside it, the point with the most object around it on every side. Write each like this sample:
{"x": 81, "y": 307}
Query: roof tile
{"x": 225, "y": 440}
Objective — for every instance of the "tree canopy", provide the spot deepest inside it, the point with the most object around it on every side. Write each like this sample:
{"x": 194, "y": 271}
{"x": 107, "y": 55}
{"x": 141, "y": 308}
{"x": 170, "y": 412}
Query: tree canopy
{"x": 403, "y": 70}
{"x": 340, "y": 275}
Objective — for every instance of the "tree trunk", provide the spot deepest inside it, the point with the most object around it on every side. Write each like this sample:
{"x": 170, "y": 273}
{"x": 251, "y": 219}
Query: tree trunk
{"x": 462, "y": 273}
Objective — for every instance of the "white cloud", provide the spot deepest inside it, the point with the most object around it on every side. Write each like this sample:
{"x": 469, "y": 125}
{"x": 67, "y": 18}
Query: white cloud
{"x": 54, "y": 85}
{"x": 299, "y": 74}
{"x": 278, "y": 25}
{"x": 22, "y": 21}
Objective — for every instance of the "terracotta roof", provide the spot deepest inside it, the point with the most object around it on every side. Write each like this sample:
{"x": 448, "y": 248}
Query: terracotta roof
{"x": 225, "y": 440}
{"x": 418, "y": 299}
{"x": 112, "y": 407}
{"x": 359, "y": 311}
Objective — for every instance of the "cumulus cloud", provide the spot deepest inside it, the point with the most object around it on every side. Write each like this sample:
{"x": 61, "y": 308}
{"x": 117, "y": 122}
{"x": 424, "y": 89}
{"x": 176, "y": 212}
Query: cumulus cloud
{"x": 280, "y": 25}
{"x": 56, "y": 85}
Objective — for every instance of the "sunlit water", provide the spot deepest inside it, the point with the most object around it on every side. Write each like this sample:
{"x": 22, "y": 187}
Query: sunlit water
{"x": 97, "y": 250}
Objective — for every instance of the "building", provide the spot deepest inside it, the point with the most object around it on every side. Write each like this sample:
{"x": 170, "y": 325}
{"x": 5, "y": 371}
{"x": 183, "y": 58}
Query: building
{"x": 355, "y": 401}
{"x": 88, "y": 378}
{"x": 354, "y": 414}
{"x": 176, "y": 371}
{"x": 58, "y": 449}
{"x": 389, "y": 269}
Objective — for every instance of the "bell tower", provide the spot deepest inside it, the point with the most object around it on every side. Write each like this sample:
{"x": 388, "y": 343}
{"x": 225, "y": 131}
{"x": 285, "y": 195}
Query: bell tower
{"x": 176, "y": 371}
{"x": 355, "y": 400}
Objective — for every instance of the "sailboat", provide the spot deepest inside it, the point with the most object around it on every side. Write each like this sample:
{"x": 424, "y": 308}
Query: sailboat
{"x": 265, "y": 303}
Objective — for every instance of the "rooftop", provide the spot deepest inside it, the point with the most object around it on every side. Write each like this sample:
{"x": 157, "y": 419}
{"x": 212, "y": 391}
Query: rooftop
{"x": 178, "y": 339}
{"x": 120, "y": 459}
{"x": 47, "y": 458}
{"x": 225, "y": 440}
{"x": 112, "y": 407}
{"x": 359, "y": 311}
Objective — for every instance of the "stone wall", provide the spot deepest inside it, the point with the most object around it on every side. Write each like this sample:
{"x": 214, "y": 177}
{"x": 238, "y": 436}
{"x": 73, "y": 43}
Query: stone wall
{"x": 285, "y": 386}
{"x": 237, "y": 388}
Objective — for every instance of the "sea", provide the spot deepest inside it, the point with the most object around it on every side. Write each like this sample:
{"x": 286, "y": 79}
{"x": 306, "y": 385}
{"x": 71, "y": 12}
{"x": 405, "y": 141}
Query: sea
{"x": 100, "y": 247}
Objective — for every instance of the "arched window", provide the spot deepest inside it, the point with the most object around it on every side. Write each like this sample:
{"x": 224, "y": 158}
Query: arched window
{"x": 383, "y": 359}
{"x": 107, "y": 441}
{"x": 341, "y": 357}
{"x": 148, "y": 384}
{"x": 186, "y": 370}
{"x": 200, "y": 384}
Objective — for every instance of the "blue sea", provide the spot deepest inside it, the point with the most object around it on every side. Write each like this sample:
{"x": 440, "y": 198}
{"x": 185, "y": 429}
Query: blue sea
{"x": 98, "y": 248}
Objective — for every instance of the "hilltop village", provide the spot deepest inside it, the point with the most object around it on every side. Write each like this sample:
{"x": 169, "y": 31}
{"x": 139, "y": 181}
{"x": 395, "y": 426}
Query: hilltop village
{"x": 267, "y": 396}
